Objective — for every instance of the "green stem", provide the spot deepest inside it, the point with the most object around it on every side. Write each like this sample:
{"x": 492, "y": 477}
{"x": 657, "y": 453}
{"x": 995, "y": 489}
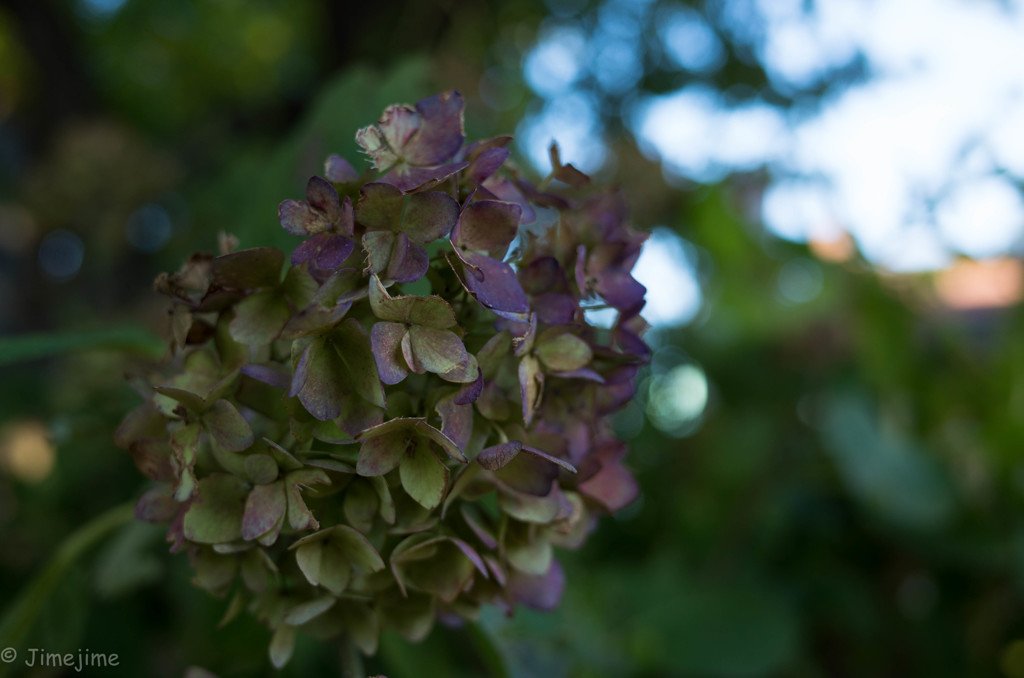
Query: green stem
{"x": 351, "y": 660}
{"x": 22, "y": 614}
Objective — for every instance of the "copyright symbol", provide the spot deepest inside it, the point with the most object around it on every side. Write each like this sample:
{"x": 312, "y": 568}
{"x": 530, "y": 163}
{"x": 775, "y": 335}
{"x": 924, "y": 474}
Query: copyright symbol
{"x": 8, "y": 655}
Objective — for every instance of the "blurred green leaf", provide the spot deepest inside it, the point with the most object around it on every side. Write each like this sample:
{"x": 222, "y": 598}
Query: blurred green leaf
{"x": 130, "y": 338}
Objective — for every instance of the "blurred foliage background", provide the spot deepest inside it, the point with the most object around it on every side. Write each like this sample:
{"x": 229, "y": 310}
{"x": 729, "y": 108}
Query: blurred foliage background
{"x": 828, "y": 451}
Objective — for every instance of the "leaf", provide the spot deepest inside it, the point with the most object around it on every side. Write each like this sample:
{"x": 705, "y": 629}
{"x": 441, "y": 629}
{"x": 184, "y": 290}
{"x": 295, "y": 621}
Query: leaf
{"x": 424, "y": 477}
{"x": 228, "y": 427}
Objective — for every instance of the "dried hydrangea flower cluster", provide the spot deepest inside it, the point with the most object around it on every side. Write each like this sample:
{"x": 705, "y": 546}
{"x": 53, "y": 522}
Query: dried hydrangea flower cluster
{"x": 400, "y": 425}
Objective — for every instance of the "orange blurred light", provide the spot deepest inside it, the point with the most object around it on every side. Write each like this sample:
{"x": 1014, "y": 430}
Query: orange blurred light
{"x": 26, "y": 451}
{"x": 838, "y": 248}
{"x": 991, "y": 283}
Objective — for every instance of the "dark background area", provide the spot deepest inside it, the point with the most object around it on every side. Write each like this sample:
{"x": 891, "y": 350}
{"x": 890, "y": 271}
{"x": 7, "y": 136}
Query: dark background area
{"x": 831, "y": 486}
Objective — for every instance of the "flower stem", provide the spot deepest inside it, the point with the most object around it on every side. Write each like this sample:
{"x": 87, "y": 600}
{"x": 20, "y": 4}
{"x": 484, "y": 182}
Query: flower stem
{"x": 21, "y": 615}
{"x": 351, "y": 660}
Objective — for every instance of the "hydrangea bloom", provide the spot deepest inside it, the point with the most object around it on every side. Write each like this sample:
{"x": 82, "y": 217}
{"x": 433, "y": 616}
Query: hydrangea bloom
{"x": 339, "y": 455}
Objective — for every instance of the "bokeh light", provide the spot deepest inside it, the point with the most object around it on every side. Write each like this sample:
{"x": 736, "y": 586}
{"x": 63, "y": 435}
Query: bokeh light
{"x": 26, "y": 451}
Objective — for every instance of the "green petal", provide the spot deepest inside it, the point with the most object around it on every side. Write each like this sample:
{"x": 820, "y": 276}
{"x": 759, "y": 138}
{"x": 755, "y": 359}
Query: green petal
{"x": 429, "y": 215}
{"x": 564, "y": 353}
{"x": 424, "y": 477}
{"x": 261, "y": 469}
{"x": 335, "y": 570}
{"x": 361, "y": 504}
{"x": 216, "y": 516}
{"x": 308, "y": 557}
{"x": 438, "y": 351}
{"x": 411, "y": 617}
{"x": 302, "y": 613}
{"x": 259, "y": 318}
{"x": 381, "y": 453}
{"x": 531, "y": 385}
{"x": 299, "y": 515}
{"x": 282, "y": 645}
{"x": 357, "y": 549}
{"x": 228, "y": 427}
{"x": 352, "y": 344}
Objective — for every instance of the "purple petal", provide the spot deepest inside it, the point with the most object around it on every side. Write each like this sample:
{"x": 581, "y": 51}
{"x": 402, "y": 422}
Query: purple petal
{"x": 498, "y": 456}
{"x": 296, "y": 217}
{"x": 340, "y": 171}
{"x": 581, "y": 271}
{"x": 470, "y": 392}
{"x": 398, "y": 124}
{"x": 346, "y": 222}
{"x": 440, "y": 134}
{"x": 582, "y": 373}
{"x": 470, "y": 553}
{"x": 476, "y": 523}
{"x": 308, "y": 249}
{"x": 539, "y": 592}
{"x": 614, "y": 396}
{"x": 493, "y": 283}
{"x": 408, "y": 178}
{"x": 322, "y": 196}
{"x": 301, "y": 373}
{"x": 266, "y": 374}
{"x": 487, "y": 163}
{"x": 386, "y": 341}
{"x": 620, "y": 289}
{"x": 554, "y": 308}
{"x": 488, "y": 226}
{"x": 334, "y": 250}
{"x": 542, "y": 275}
{"x": 157, "y": 505}
{"x": 614, "y": 487}
{"x": 409, "y": 261}
{"x": 456, "y": 421}
{"x": 504, "y": 189}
